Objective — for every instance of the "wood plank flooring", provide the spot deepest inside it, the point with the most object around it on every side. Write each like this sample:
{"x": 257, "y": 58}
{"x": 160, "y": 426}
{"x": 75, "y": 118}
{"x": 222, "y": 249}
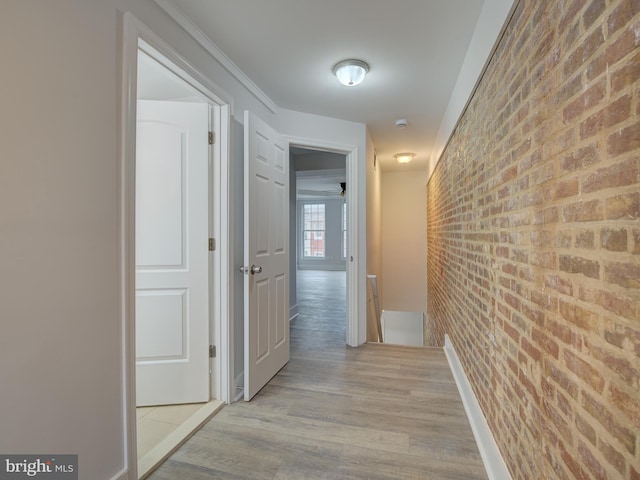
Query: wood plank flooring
{"x": 375, "y": 412}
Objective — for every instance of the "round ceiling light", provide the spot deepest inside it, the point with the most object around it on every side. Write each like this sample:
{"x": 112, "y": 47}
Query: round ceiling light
{"x": 404, "y": 157}
{"x": 351, "y": 72}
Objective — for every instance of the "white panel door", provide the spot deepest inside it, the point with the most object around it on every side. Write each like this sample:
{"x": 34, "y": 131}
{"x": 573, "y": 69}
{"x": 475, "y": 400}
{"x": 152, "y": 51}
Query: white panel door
{"x": 266, "y": 254}
{"x": 172, "y": 264}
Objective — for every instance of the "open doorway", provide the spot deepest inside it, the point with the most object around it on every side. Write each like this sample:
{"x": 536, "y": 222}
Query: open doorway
{"x": 318, "y": 234}
{"x": 173, "y": 278}
{"x": 166, "y": 213}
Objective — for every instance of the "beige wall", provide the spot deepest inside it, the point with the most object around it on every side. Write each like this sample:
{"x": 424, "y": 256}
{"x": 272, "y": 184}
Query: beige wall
{"x": 374, "y": 235}
{"x": 404, "y": 234}
{"x": 60, "y": 347}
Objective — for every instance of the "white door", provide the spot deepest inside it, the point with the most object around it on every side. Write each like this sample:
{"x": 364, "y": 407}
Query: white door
{"x": 172, "y": 264}
{"x": 266, "y": 254}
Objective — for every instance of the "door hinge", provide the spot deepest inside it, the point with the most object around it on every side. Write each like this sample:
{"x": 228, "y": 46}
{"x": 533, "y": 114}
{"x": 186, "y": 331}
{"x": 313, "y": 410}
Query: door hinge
{"x": 212, "y": 351}
{"x": 212, "y": 244}
{"x": 212, "y": 138}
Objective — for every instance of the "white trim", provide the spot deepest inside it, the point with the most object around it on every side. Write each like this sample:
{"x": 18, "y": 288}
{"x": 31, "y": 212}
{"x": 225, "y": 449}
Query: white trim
{"x": 491, "y": 457}
{"x": 121, "y": 475}
{"x": 127, "y": 226}
{"x": 199, "y": 36}
{"x": 353, "y": 237}
{"x": 172, "y": 442}
{"x": 325, "y": 268}
{"x": 137, "y": 36}
{"x": 356, "y": 255}
{"x": 293, "y": 312}
{"x": 165, "y": 55}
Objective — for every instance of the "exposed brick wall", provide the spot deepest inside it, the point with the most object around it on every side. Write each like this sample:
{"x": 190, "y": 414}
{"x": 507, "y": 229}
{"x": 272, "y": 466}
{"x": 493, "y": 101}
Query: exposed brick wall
{"x": 534, "y": 241}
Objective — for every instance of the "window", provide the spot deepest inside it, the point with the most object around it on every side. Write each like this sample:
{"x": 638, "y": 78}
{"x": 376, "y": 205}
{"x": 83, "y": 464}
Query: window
{"x": 313, "y": 220}
{"x": 344, "y": 230}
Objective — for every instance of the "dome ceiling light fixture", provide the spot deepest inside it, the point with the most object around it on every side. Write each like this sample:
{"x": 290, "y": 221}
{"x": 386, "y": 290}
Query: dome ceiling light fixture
{"x": 404, "y": 157}
{"x": 351, "y": 72}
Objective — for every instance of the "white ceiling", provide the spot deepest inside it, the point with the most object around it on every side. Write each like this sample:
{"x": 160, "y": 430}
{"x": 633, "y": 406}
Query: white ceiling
{"x": 318, "y": 174}
{"x": 320, "y": 184}
{"x": 318, "y": 181}
{"x": 415, "y": 49}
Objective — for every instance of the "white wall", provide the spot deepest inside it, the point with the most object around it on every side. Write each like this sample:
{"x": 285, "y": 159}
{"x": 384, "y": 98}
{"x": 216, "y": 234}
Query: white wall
{"x": 338, "y": 135}
{"x": 404, "y": 236}
{"x": 493, "y": 16}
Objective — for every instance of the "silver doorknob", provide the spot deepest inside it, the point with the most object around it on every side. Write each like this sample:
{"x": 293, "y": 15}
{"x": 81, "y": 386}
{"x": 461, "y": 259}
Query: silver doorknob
{"x": 255, "y": 269}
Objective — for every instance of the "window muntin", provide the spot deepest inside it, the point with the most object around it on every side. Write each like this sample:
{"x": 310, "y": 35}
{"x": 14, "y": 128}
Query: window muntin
{"x": 313, "y": 232}
{"x": 344, "y": 230}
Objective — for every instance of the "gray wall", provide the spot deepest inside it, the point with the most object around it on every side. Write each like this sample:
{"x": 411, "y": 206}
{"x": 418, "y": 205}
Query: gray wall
{"x": 320, "y": 161}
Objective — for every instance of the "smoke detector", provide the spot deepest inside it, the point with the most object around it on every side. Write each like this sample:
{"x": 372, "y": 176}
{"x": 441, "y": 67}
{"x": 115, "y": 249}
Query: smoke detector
{"x": 401, "y": 123}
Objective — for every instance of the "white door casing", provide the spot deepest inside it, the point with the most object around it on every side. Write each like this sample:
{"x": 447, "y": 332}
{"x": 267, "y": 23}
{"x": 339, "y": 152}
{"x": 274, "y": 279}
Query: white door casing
{"x": 172, "y": 264}
{"x": 266, "y": 256}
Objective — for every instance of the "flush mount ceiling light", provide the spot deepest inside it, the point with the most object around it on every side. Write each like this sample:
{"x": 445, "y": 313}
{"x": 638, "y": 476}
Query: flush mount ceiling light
{"x": 404, "y": 157}
{"x": 350, "y": 72}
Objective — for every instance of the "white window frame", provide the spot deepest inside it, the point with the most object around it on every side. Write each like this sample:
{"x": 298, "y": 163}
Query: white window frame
{"x": 313, "y": 232}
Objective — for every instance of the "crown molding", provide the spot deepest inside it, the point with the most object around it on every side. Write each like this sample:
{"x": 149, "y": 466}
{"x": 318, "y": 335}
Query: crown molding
{"x": 199, "y": 36}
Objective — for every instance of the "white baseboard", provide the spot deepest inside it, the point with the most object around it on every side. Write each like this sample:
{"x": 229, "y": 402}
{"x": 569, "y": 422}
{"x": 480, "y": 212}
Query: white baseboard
{"x": 489, "y": 451}
{"x": 158, "y": 454}
{"x": 340, "y": 267}
{"x": 121, "y": 475}
{"x": 293, "y": 312}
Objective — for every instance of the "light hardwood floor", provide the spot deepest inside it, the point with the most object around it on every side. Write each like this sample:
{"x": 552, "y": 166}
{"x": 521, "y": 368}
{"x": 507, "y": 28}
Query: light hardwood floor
{"x": 333, "y": 412}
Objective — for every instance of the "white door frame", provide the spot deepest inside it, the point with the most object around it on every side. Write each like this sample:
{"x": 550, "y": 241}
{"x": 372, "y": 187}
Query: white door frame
{"x": 353, "y": 212}
{"x": 137, "y": 35}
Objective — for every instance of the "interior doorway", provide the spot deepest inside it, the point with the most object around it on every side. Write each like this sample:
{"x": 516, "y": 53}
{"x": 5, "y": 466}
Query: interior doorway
{"x": 318, "y": 220}
{"x": 153, "y": 73}
{"x": 173, "y": 279}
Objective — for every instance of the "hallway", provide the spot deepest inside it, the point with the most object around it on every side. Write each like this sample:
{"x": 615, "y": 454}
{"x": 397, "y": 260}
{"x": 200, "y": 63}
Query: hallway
{"x": 334, "y": 412}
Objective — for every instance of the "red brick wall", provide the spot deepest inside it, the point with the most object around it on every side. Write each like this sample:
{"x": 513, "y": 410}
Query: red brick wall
{"x": 534, "y": 241}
